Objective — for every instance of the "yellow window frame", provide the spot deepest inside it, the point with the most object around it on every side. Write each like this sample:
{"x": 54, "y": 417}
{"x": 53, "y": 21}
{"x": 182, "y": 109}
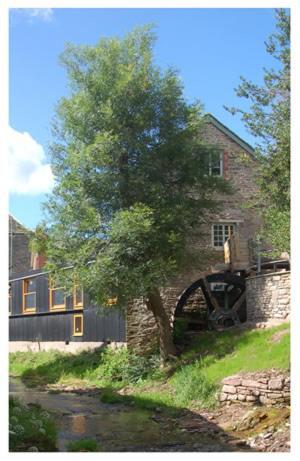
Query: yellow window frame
{"x": 27, "y": 310}
{"x": 79, "y": 333}
{"x": 9, "y": 298}
{"x": 56, "y": 307}
{"x": 77, "y": 305}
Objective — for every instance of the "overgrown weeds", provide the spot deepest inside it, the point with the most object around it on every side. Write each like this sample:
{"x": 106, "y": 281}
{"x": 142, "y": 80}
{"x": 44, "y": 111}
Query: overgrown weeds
{"x": 30, "y": 427}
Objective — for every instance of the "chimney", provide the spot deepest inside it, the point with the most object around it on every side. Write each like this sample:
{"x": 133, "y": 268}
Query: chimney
{"x": 38, "y": 260}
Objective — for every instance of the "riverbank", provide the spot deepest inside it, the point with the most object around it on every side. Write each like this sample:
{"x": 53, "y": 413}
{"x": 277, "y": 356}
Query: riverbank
{"x": 122, "y": 402}
{"x": 190, "y": 382}
{"x": 83, "y": 423}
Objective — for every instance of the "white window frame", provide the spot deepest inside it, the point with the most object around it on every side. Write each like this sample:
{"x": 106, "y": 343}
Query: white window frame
{"x": 210, "y": 172}
{"x": 223, "y": 224}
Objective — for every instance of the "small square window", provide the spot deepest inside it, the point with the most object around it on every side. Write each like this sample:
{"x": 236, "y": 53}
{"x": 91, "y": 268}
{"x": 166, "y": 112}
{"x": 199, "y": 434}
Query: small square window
{"x": 221, "y": 233}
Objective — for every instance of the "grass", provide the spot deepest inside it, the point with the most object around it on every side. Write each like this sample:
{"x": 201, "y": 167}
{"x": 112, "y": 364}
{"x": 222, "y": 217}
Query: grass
{"x": 102, "y": 367}
{"x": 225, "y": 354}
{"x": 195, "y": 377}
{"x": 83, "y": 445}
{"x": 30, "y": 426}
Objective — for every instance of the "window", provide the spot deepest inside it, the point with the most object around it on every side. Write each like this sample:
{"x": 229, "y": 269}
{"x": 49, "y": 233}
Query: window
{"x": 57, "y": 297}
{"x": 29, "y": 295}
{"x": 77, "y": 297}
{"x": 215, "y": 165}
{"x": 9, "y": 299}
{"x": 78, "y": 325}
{"x": 221, "y": 232}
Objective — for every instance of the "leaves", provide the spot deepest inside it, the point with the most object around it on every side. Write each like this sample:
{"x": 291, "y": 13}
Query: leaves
{"x": 130, "y": 167}
{"x": 269, "y": 120}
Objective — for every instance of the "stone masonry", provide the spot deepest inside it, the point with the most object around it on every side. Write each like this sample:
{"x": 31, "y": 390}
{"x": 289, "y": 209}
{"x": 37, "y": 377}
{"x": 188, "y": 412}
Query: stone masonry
{"x": 268, "y": 297}
{"x": 240, "y": 169}
{"x": 268, "y": 388}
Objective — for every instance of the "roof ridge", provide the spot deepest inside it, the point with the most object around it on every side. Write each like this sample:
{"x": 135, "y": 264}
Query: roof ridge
{"x": 19, "y": 222}
{"x": 216, "y": 122}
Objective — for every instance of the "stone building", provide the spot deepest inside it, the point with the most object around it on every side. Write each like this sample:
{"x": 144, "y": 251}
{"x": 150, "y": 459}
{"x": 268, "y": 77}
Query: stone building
{"x": 237, "y": 164}
{"x": 233, "y": 224}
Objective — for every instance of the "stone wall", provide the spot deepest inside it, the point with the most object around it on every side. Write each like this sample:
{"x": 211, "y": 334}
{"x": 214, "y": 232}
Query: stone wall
{"x": 240, "y": 169}
{"x": 267, "y": 388}
{"x": 268, "y": 297}
{"x": 72, "y": 346}
{"x": 141, "y": 329}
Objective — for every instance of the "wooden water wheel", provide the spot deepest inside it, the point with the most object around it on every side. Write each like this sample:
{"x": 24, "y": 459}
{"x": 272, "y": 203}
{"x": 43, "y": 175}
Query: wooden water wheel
{"x": 225, "y": 298}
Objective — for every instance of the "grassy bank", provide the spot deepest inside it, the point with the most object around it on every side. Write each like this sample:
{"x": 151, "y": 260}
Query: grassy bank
{"x": 191, "y": 382}
{"x": 30, "y": 428}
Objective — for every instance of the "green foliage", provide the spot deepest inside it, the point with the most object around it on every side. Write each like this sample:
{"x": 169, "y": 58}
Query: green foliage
{"x": 230, "y": 352}
{"x": 83, "y": 445}
{"x": 39, "y": 240}
{"x": 269, "y": 119}
{"x": 101, "y": 367}
{"x": 130, "y": 167}
{"x": 30, "y": 426}
{"x": 179, "y": 329}
{"x": 191, "y": 385}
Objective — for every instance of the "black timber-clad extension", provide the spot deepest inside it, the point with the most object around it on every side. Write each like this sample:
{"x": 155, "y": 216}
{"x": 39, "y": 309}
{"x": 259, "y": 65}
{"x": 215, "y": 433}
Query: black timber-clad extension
{"x": 38, "y": 322}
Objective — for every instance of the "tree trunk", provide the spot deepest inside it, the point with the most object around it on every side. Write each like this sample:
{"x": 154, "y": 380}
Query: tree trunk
{"x": 166, "y": 344}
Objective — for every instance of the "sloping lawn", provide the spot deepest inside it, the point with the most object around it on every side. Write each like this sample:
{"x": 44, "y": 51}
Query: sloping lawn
{"x": 225, "y": 354}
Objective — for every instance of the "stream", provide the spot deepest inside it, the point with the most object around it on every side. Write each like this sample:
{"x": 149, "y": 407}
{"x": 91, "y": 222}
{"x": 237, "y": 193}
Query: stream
{"x": 116, "y": 427}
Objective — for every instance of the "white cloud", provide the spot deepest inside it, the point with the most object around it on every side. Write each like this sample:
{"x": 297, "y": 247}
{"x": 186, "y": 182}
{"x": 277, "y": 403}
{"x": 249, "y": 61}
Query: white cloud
{"x": 45, "y": 14}
{"x": 42, "y": 14}
{"x": 28, "y": 174}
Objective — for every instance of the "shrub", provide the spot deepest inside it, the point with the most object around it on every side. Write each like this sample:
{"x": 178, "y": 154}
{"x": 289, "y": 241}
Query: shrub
{"x": 179, "y": 329}
{"x": 83, "y": 445}
{"x": 30, "y": 426}
{"x": 124, "y": 366}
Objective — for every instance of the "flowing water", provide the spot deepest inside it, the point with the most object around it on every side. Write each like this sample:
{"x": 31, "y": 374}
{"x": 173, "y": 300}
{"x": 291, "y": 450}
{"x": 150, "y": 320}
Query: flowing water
{"x": 115, "y": 427}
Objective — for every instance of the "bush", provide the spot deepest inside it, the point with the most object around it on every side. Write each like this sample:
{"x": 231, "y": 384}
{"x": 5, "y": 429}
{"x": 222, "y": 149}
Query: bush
{"x": 124, "y": 366}
{"x": 30, "y": 426}
{"x": 179, "y": 329}
{"x": 83, "y": 445}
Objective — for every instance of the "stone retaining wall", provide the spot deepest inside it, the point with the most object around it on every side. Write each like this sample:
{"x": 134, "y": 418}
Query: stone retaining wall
{"x": 73, "y": 347}
{"x": 268, "y": 297}
{"x": 268, "y": 388}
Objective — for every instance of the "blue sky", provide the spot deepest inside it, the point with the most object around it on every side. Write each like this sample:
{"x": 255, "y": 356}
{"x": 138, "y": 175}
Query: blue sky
{"x": 211, "y": 48}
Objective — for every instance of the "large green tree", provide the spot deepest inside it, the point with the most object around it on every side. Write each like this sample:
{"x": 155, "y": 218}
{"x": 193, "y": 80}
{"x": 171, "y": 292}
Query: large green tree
{"x": 268, "y": 118}
{"x": 130, "y": 164}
